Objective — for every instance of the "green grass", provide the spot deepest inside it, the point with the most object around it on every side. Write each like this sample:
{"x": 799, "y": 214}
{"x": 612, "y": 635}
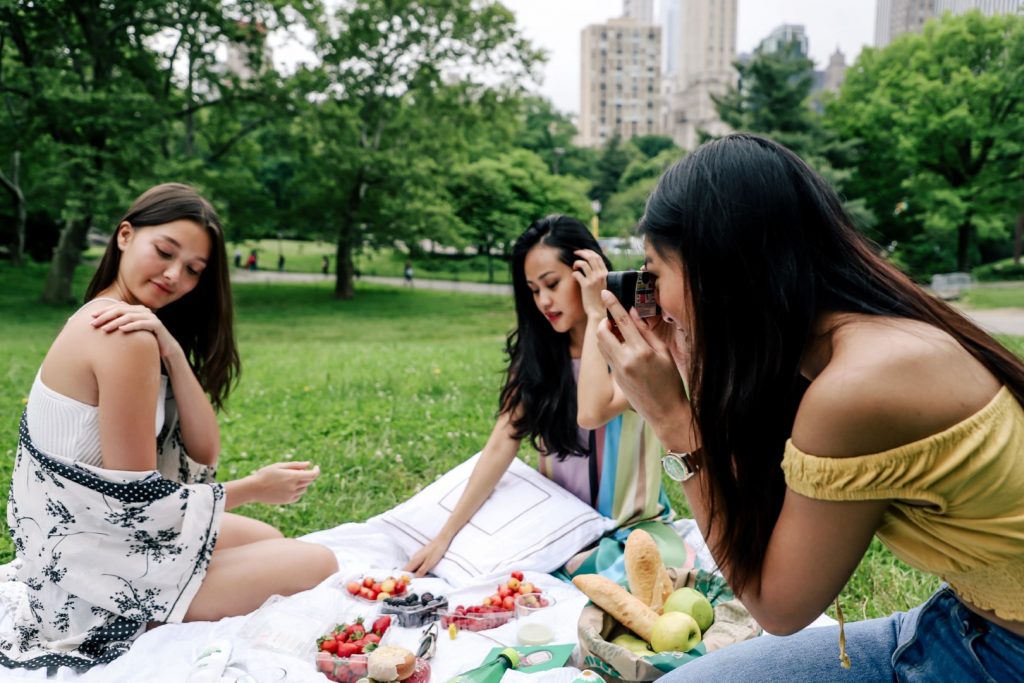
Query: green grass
{"x": 1009, "y": 296}
{"x": 385, "y": 393}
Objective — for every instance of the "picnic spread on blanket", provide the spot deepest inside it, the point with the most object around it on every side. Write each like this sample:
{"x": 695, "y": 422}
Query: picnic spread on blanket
{"x": 439, "y": 627}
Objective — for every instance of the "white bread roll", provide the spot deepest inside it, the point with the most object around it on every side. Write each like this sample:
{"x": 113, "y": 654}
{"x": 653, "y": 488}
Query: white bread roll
{"x": 389, "y": 663}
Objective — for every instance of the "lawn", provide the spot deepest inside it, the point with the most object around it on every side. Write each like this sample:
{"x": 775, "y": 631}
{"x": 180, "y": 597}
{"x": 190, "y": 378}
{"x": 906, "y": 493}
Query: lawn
{"x": 1007, "y": 295}
{"x": 385, "y": 393}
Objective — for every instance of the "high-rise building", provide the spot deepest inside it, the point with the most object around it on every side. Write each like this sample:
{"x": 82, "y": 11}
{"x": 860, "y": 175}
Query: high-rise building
{"x": 988, "y": 7}
{"x": 620, "y": 81}
{"x": 702, "y": 44}
{"x": 896, "y": 17}
{"x": 641, "y": 10}
{"x": 782, "y": 36}
{"x": 835, "y": 72}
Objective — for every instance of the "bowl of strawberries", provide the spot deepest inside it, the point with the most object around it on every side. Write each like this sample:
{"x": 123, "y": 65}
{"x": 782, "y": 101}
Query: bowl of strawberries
{"x": 354, "y": 638}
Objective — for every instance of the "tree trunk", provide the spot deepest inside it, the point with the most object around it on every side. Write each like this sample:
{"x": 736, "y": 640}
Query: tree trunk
{"x": 12, "y": 185}
{"x": 345, "y": 271}
{"x": 66, "y": 256}
{"x": 490, "y": 262}
{"x": 1017, "y": 238}
{"x": 963, "y": 245}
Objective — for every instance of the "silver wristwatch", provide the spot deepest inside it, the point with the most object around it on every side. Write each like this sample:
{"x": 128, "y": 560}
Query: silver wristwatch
{"x": 680, "y": 466}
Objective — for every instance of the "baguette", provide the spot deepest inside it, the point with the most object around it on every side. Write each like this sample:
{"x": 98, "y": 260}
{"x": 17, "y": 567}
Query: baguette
{"x": 617, "y": 602}
{"x": 643, "y": 567}
{"x": 663, "y": 589}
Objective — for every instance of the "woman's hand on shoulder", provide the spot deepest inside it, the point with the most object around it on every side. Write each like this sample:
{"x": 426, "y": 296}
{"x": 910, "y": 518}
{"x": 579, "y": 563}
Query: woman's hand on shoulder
{"x": 127, "y": 372}
{"x": 283, "y": 482}
{"x": 127, "y": 318}
{"x": 592, "y": 275}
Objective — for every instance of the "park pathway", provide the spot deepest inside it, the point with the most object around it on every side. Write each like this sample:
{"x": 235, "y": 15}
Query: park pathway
{"x": 994, "y": 320}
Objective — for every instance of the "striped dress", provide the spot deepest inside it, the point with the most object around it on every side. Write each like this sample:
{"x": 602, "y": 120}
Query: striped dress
{"x": 628, "y": 455}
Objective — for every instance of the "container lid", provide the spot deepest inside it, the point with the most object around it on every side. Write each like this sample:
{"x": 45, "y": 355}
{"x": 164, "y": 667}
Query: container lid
{"x": 535, "y": 634}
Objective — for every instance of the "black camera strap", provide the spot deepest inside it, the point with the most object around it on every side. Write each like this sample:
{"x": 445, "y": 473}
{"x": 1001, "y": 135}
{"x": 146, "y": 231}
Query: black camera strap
{"x": 594, "y": 483}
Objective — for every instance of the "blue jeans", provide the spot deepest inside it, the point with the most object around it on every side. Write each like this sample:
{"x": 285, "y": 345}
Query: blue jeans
{"x": 940, "y": 640}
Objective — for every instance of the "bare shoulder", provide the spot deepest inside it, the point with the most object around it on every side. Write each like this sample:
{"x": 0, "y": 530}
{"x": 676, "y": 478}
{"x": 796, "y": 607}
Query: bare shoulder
{"x": 889, "y": 382}
{"x": 81, "y": 353}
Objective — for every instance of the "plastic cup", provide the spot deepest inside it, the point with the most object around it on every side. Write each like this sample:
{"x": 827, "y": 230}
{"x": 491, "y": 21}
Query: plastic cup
{"x": 529, "y": 604}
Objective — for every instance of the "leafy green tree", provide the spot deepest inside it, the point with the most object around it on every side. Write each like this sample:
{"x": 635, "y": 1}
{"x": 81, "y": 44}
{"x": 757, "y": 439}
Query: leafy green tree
{"x": 545, "y": 131}
{"x": 384, "y": 61}
{"x": 610, "y": 166}
{"x": 87, "y": 81}
{"x": 939, "y": 118}
{"x": 772, "y": 98}
{"x": 625, "y": 208}
{"x": 497, "y": 198}
{"x": 653, "y": 145}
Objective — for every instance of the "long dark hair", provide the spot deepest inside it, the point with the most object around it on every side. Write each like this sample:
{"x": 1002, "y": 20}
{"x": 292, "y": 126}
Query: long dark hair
{"x": 766, "y": 249}
{"x": 203, "y": 320}
{"x": 539, "y": 382}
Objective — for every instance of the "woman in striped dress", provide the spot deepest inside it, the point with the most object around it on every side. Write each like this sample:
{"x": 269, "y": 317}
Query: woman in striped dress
{"x": 559, "y": 395}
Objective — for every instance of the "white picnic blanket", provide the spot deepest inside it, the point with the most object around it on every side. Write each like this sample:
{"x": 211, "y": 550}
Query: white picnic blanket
{"x": 167, "y": 653}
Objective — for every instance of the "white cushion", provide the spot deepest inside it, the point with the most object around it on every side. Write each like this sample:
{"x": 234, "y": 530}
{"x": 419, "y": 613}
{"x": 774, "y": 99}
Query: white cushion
{"x": 528, "y": 523}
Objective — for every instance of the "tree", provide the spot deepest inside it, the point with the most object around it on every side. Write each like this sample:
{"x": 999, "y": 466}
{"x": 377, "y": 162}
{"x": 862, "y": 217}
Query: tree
{"x": 625, "y": 208}
{"x": 384, "y": 60}
{"x": 939, "y": 117}
{"x": 545, "y": 131}
{"x": 496, "y": 198}
{"x": 772, "y": 98}
{"x": 653, "y": 145}
{"x": 612, "y": 163}
{"x": 90, "y": 83}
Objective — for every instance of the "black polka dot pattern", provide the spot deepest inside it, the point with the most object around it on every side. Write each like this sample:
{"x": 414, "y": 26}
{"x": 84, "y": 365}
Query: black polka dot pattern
{"x": 153, "y": 487}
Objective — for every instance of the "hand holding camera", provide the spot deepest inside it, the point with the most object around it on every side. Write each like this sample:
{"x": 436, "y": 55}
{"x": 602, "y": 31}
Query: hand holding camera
{"x": 634, "y": 289}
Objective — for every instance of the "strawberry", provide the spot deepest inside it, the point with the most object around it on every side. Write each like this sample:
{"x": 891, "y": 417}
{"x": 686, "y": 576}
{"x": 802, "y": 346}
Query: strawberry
{"x": 347, "y": 649}
{"x": 381, "y": 625}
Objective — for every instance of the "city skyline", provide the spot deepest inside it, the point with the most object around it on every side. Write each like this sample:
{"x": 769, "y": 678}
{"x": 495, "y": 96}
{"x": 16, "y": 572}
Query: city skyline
{"x": 557, "y": 27}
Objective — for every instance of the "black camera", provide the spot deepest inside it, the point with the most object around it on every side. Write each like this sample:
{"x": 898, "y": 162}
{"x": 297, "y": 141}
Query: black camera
{"x": 634, "y": 289}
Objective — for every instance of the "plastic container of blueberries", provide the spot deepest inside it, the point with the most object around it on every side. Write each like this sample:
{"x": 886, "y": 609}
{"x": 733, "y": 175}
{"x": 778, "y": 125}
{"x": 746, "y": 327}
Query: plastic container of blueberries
{"x": 415, "y": 616}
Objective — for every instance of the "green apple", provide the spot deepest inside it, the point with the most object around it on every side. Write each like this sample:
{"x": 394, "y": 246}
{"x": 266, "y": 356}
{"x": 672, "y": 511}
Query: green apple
{"x": 633, "y": 644}
{"x": 692, "y": 602}
{"x": 675, "y": 632}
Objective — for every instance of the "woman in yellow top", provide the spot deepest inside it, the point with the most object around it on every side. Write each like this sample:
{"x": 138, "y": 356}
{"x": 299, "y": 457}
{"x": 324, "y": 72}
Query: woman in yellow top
{"x": 830, "y": 400}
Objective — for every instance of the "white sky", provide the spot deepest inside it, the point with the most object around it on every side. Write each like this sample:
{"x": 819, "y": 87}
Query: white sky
{"x": 556, "y": 25}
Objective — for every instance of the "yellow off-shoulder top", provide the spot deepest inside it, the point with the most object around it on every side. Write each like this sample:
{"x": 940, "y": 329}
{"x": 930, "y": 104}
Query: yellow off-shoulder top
{"x": 958, "y": 501}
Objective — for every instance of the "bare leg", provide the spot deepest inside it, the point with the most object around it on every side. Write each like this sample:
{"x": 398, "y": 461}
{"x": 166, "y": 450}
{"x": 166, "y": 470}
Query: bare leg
{"x": 241, "y": 578}
{"x": 236, "y": 530}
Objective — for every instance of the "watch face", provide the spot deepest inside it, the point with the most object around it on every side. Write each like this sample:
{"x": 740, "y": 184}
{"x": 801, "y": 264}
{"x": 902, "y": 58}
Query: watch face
{"x": 675, "y": 467}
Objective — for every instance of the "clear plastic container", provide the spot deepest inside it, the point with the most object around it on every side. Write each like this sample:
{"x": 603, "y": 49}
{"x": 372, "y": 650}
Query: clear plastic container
{"x": 415, "y": 616}
{"x": 475, "y": 621}
{"x": 351, "y": 669}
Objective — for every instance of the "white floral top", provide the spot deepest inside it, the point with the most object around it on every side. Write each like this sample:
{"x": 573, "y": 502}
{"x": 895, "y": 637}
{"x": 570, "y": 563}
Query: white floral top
{"x": 104, "y": 552}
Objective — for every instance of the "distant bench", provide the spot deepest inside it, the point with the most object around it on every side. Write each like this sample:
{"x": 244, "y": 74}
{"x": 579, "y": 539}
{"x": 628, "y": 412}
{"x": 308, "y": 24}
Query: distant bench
{"x": 949, "y": 286}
